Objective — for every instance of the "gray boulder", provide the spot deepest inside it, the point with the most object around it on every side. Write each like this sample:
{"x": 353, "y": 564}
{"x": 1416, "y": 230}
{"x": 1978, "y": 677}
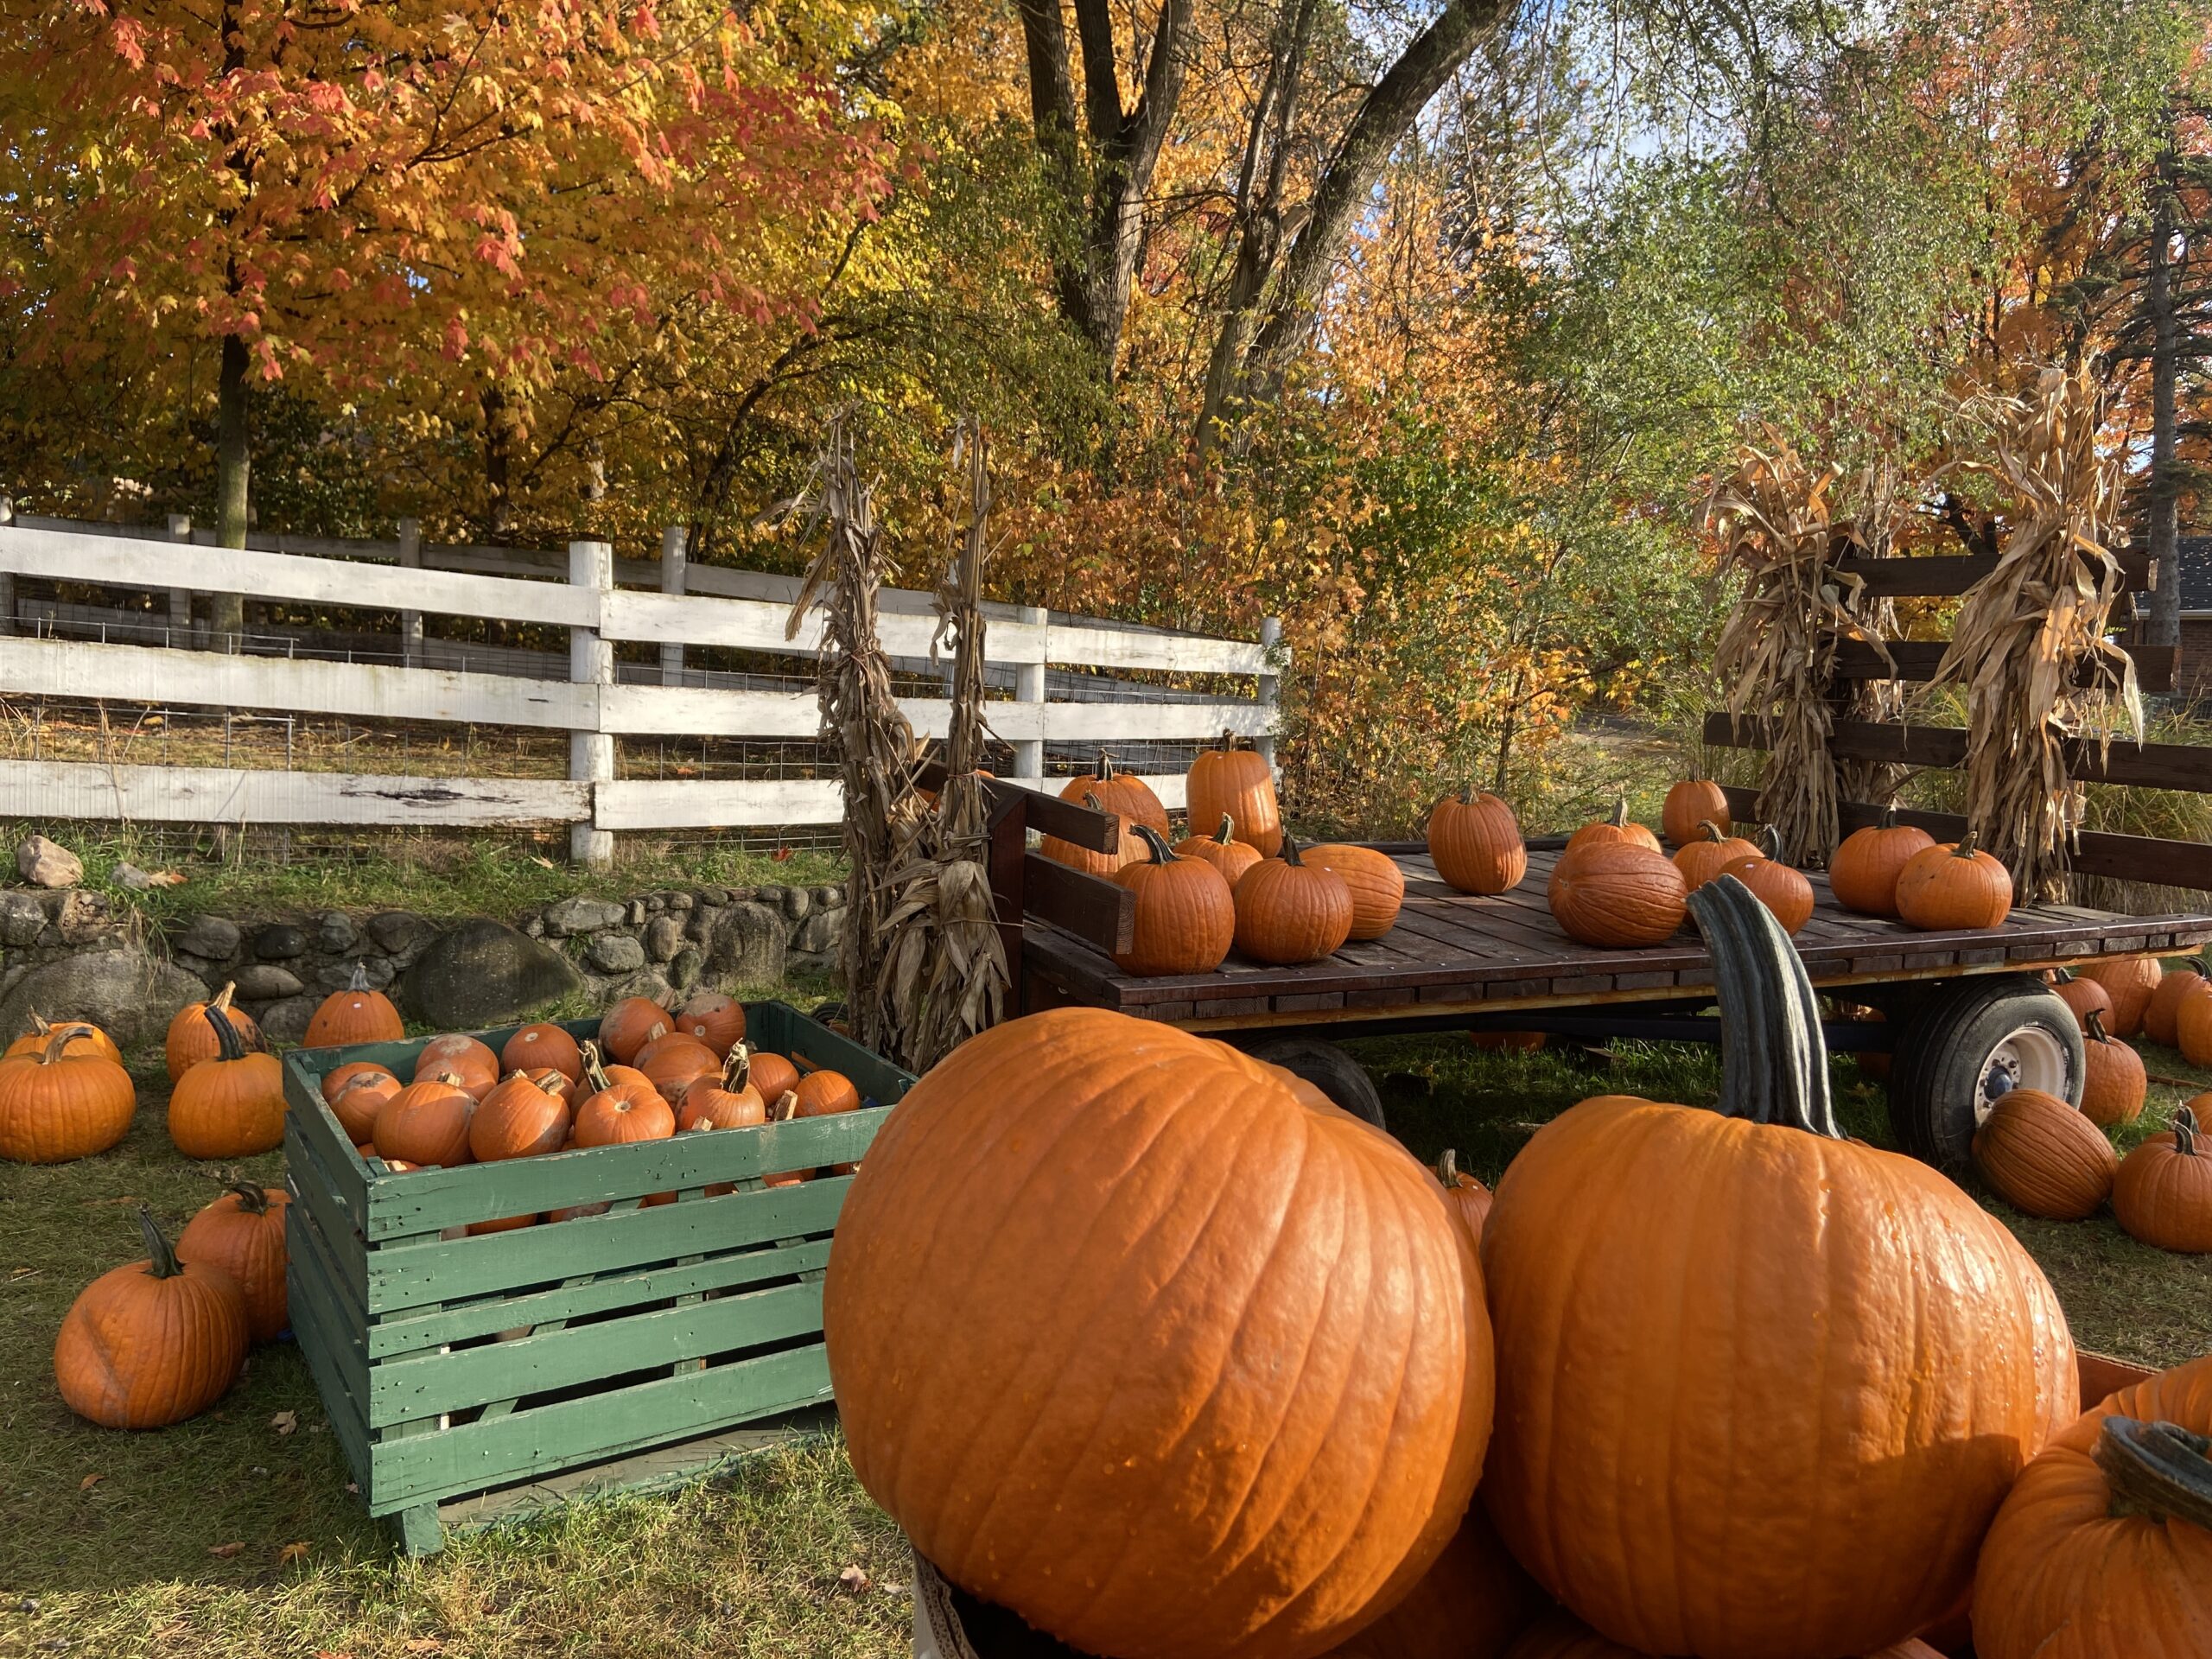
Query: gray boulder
{"x": 287, "y": 1021}
{"x": 749, "y": 946}
{"x": 820, "y": 933}
{"x": 616, "y": 953}
{"x": 683, "y": 971}
{"x": 264, "y": 981}
{"x": 23, "y": 919}
{"x": 485, "y": 973}
{"x": 664, "y": 936}
{"x": 126, "y": 993}
{"x": 338, "y": 975}
{"x": 580, "y": 915}
{"x": 399, "y": 932}
{"x": 829, "y": 898}
{"x": 46, "y": 864}
{"x": 279, "y": 942}
{"x": 209, "y": 937}
{"x": 335, "y": 933}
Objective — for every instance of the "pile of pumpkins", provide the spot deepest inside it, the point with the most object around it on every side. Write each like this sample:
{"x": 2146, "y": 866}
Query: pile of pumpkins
{"x": 1197, "y": 1366}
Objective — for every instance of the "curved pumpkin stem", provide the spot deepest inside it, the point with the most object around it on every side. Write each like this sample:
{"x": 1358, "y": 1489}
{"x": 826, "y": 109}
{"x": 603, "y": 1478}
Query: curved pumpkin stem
{"x": 1711, "y": 830}
{"x": 1155, "y": 844}
{"x": 1769, "y": 841}
{"x": 1103, "y": 772}
{"x": 222, "y": 997}
{"x": 229, "y": 1046}
{"x": 1964, "y": 848}
{"x": 2092, "y": 1026}
{"x": 1447, "y": 1167}
{"x": 594, "y": 1068}
{"x": 2185, "y": 1132}
{"x": 252, "y": 1196}
{"x": 39, "y": 1027}
{"x": 1888, "y": 818}
{"x": 59, "y": 1038}
{"x": 1774, "y": 1066}
{"x": 1619, "y": 820}
{"x": 161, "y": 1259}
{"x": 1290, "y": 849}
{"x": 359, "y": 982}
{"x": 1227, "y": 833}
{"x": 737, "y": 1070}
{"x": 2158, "y": 1471}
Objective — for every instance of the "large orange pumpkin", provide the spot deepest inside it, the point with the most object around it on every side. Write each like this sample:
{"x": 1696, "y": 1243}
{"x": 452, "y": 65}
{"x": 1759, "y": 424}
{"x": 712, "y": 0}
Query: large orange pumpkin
{"x": 2162, "y": 1191}
{"x": 192, "y": 1040}
{"x": 67, "y": 1102}
{"x": 2162, "y": 1014}
{"x": 1117, "y": 1267}
{"x": 2084, "y": 996}
{"x": 622, "y": 1112}
{"x": 1616, "y": 828}
{"x": 525, "y": 1116}
{"x": 360, "y": 1099}
{"x": 630, "y": 1025}
{"x": 1560, "y": 1635}
{"x": 1690, "y": 803}
{"x": 232, "y": 1106}
{"x": 1610, "y": 893}
{"x": 771, "y": 1074}
{"x": 427, "y": 1124}
{"x": 1127, "y": 848}
{"x": 1864, "y": 872}
{"x": 153, "y": 1343}
{"x": 1378, "y": 886}
{"x": 2103, "y": 1550}
{"x": 2113, "y": 1083}
{"x": 538, "y": 1047}
{"x": 1222, "y": 850}
{"x": 243, "y": 1233}
{"x": 2043, "y": 1157}
{"x": 1475, "y": 843}
{"x": 1225, "y": 781}
{"x": 1288, "y": 910}
{"x": 2130, "y": 982}
{"x": 356, "y": 1015}
{"x": 1710, "y": 850}
{"x": 1717, "y": 1329}
{"x": 672, "y": 1063}
{"x": 1470, "y": 1605}
{"x": 715, "y": 1019}
{"x": 1185, "y": 918}
{"x": 1950, "y": 884}
{"x": 1118, "y": 792}
{"x": 85, "y": 1038}
{"x": 471, "y": 1064}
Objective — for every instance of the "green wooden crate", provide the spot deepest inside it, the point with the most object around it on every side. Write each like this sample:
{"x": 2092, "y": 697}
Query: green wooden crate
{"x": 453, "y": 1365}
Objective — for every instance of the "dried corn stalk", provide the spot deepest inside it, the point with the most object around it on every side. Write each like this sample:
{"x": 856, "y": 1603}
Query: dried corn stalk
{"x": 1776, "y": 655}
{"x": 1870, "y": 533}
{"x": 946, "y": 974}
{"x": 2030, "y": 646}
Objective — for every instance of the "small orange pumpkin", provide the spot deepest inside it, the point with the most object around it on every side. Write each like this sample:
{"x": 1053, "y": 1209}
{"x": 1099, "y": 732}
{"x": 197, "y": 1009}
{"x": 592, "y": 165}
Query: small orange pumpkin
{"x": 190, "y": 1038}
{"x": 672, "y": 1063}
{"x": 2114, "y": 1083}
{"x": 624, "y": 1112}
{"x": 1378, "y": 886}
{"x": 506, "y": 1224}
{"x": 1614, "y": 894}
{"x": 538, "y": 1047}
{"x": 1118, "y": 792}
{"x": 470, "y": 1064}
{"x": 1127, "y": 848}
{"x": 1864, "y": 872}
{"x": 357, "y": 1103}
{"x": 356, "y": 1015}
{"x": 232, "y": 1106}
{"x": 630, "y": 1025}
{"x": 1616, "y": 828}
{"x": 771, "y": 1074}
{"x": 1475, "y": 843}
{"x": 2043, "y": 1157}
{"x": 1691, "y": 802}
{"x": 1471, "y": 1199}
{"x": 716, "y": 1020}
{"x": 2131, "y": 982}
{"x": 1226, "y": 782}
{"x": 1949, "y": 885}
{"x": 1783, "y": 891}
{"x": 1186, "y": 916}
{"x": 87, "y": 1039}
{"x": 335, "y": 1080}
{"x": 153, "y": 1343}
{"x": 525, "y": 1116}
{"x": 1288, "y": 910}
{"x": 427, "y": 1123}
{"x": 2084, "y": 996}
{"x": 57, "y": 1105}
{"x": 2162, "y": 1014}
{"x": 2162, "y": 1192}
{"x": 1507, "y": 1042}
{"x": 1222, "y": 850}
{"x": 243, "y": 1233}
{"x": 727, "y": 1101}
{"x": 1709, "y": 851}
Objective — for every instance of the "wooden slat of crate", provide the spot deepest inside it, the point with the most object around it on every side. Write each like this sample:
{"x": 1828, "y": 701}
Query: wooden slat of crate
{"x": 313, "y": 1205}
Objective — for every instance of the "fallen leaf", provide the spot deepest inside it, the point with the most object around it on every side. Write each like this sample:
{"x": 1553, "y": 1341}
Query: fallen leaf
{"x": 853, "y": 1581}
{"x": 291, "y": 1553}
{"x": 285, "y": 1421}
{"x": 224, "y": 1552}
{"x": 354, "y": 1487}
{"x": 542, "y": 863}
{"x": 424, "y": 1644}
{"x": 167, "y": 878}
{"x": 89, "y": 1482}
{"x": 782, "y": 854}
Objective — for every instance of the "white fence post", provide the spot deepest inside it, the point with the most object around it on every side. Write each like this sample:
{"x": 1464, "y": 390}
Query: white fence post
{"x": 591, "y": 661}
{"x": 410, "y": 622}
{"x": 671, "y": 581}
{"x": 7, "y": 578}
{"x": 1029, "y": 687}
{"x": 181, "y": 598}
{"x": 1268, "y": 688}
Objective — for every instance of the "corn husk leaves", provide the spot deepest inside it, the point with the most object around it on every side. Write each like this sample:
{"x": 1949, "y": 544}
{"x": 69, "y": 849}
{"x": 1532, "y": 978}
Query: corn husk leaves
{"x": 2028, "y": 646}
{"x": 1776, "y": 653}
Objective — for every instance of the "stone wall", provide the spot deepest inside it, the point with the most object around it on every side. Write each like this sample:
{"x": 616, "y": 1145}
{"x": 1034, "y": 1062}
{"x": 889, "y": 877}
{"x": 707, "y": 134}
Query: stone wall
{"x": 68, "y": 952}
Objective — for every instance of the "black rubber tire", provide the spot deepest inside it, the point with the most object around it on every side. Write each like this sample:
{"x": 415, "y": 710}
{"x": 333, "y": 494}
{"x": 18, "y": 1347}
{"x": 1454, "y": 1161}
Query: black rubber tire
{"x": 1328, "y": 1068}
{"x": 1947, "y": 1062}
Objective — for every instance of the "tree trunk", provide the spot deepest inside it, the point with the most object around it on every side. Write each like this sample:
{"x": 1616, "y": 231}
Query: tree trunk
{"x": 2164, "y": 625}
{"x": 224, "y": 614}
{"x": 499, "y": 505}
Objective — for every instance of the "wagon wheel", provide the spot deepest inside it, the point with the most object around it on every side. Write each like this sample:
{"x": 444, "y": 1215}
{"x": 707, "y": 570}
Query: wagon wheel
{"x": 1971, "y": 1046}
{"x": 1328, "y": 1068}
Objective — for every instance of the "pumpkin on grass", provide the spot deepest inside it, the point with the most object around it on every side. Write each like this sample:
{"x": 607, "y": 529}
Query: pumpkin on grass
{"x": 86, "y": 1039}
{"x": 1863, "y": 874}
{"x": 1236, "y": 783}
{"x": 2162, "y": 1191}
{"x": 67, "y": 1102}
{"x": 2104, "y": 1548}
{"x": 2162, "y": 1014}
{"x": 1470, "y": 1605}
{"x": 426, "y": 1124}
{"x": 1118, "y": 792}
{"x": 1782, "y": 890}
{"x": 356, "y": 1015}
{"x": 1616, "y": 828}
{"x": 1185, "y": 918}
{"x": 153, "y": 1343}
{"x": 525, "y": 1116}
{"x": 2043, "y": 1157}
{"x": 1710, "y": 850}
{"x": 243, "y": 1233}
{"x": 1720, "y": 1327}
{"x": 1221, "y": 850}
{"x": 1951, "y": 885}
{"x": 1288, "y": 910}
{"x": 630, "y": 1025}
{"x": 1127, "y": 849}
{"x": 536, "y": 1046}
{"x": 471, "y": 1065}
{"x": 1690, "y": 803}
{"x": 1378, "y": 886}
{"x": 2130, "y": 982}
{"x": 2084, "y": 996}
{"x": 713, "y": 1019}
{"x": 232, "y": 1106}
{"x": 1610, "y": 893}
{"x": 1333, "y": 1355}
{"x": 1471, "y": 1199}
{"x": 1475, "y": 843}
{"x": 191, "y": 1039}
{"x": 2113, "y": 1083}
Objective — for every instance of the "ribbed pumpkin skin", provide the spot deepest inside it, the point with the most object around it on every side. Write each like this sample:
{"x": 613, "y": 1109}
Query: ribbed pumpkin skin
{"x": 675, "y": 1062}
{"x": 1290, "y": 912}
{"x": 1476, "y": 844}
{"x": 2163, "y": 1195}
{"x": 1708, "y": 852}
{"x": 2193, "y": 1029}
{"x": 191, "y": 1039}
{"x": 1222, "y": 850}
{"x": 1943, "y": 886}
{"x": 138, "y": 1351}
{"x": 2130, "y": 983}
{"x": 1103, "y": 1374}
{"x": 1617, "y": 828}
{"x": 630, "y": 1025}
{"x": 1714, "y": 1334}
{"x": 1185, "y": 916}
{"x": 357, "y": 1102}
{"x": 716, "y": 1020}
{"x": 2113, "y": 1083}
{"x": 248, "y": 1243}
{"x": 72, "y": 1105}
{"x": 1470, "y": 1605}
{"x": 2084, "y": 997}
{"x": 2043, "y": 1157}
{"x": 1378, "y": 886}
{"x": 2162, "y": 1014}
{"x": 1864, "y": 872}
{"x": 1562, "y": 1636}
{"x": 1612, "y": 894}
{"x": 87, "y": 1039}
{"x": 2063, "y": 1577}
{"x": 772, "y": 1075}
{"x": 622, "y": 1113}
{"x": 1470, "y": 1199}
{"x": 469, "y": 1062}
{"x": 1119, "y": 791}
{"x": 521, "y": 1118}
{"x": 536, "y": 1046}
{"x": 1689, "y": 803}
{"x": 1240, "y": 784}
{"x": 357, "y": 1015}
{"x": 426, "y": 1124}
{"x": 228, "y": 1109}
{"x": 1783, "y": 891}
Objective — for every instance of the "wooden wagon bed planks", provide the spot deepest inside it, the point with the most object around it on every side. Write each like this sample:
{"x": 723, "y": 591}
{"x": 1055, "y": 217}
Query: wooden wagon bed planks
{"x": 1504, "y": 952}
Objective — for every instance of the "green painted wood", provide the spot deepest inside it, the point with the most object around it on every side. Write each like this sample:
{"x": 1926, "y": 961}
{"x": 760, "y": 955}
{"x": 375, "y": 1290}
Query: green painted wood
{"x": 420, "y": 1532}
{"x": 303, "y": 1239}
{"x": 431, "y": 1200}
{"x": 347, "y": 1422}
{"x": 476, "y": 1457}
{"x": 345, "y": 1180}
{"x": 333, "y": 1352}
{"x": 314, "y": 1206}
{"x": 584, "y": 1294}
{"x": 402, "y": 1389}
{"x": 403, "y": 1277}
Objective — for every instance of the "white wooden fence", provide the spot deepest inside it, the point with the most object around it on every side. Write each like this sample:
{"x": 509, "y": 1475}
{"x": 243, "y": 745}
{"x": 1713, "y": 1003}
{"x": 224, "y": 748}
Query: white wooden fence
{"x": 590, "y": 704}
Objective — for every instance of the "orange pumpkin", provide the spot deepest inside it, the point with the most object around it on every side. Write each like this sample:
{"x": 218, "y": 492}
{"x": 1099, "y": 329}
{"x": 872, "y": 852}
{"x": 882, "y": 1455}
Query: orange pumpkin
{"x": 672, "y": 1063}
{"x": 1222, "y": 850}
{"x": 335, "y": 1080}
{"x": 2114, "y": 1083}
{"x": 1185, "y": 916}
{"x": 1475, "y": 843}
{"x": 1709, "y": 851}
{"x": 1471, "y": 1199}
{"x": 506, "y": 1224}
{"x": 2103, "y": 1549}
{"x": 1689, "y": 803}
{"x": 727, "y": 1101}
{"x": 1780, "y": 888}
{"x": 624, "y": 1112}
{"x": 427, "y": 1123}
{"x": 1616, "y": 828}
{"x": 243, "y": 1233}
{"x": 2162, "y": 1014}
{"x": 356, "y": 1015}
{"x": 1378, "y": 886}
{"x": 714, "y": 1019}
{"x": 630, "y": 1025}
{"x": 771, "y": 1074}
{"x": 2162, "y": 1191}
{"x": 153, "y": 1343}
{"x": 1470, "y": 1605}
{"x": 1560, "y": 1635}
{"x": 59, "y": 1105}
{"x": 232, "y": 1106}
{"x": 823, "y": 1094}
{"x": 1949, "y": 885}
{"x": 2130, "y": 982}
{"x": 1289, "y": 911}
{"x": 536, "y": 1046}
{"x": 525, "y": 1116}
{"x": 471, "y": 1065}
{"x": 2043, "y": 1157}
{"x": 1333, "y": 1354}
{"x": 2084, "y": 996}
{"x": 86, "y": 1039}
{"x": 1127, "y": 848}
{"x": 191, "y": 1039}
{"x": 1238, "y": 784}
{"x": 1118, "y": 792}
{"x": 1612, "y": 893}
{"x": 1864, "y": 872}
{"x": 1507, "y": 1042}
{"x": 357, "y": 1103}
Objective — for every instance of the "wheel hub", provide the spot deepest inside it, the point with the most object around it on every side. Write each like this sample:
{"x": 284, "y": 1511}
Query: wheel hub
{"x": 2028, "y": 1057}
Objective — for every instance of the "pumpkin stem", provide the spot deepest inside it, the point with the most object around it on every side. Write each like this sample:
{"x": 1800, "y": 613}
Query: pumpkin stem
{"x": 1774, "y": 1066}
{"x": 359, "y": 982}
{"x": 2185, "y": 1132}
{"x": 1888, "y": 818}
{"x": 594, "y": 1069}
{"x": 1619, "y": 820}
{"x": 60, "y": 1039}
{"x": 39, "y": 1027}
{"x": 1447, "y": 1167}
{"x": 2158, "y": 1471}
{"x": 1103, "y": 772}
{"x": 1964, "y": 848}
{"x": 252, "y": 1196}
{"x": 2092, "y": 1026}
{"x": 222, "y": 997}
{"x": 1710, "y": 830}
{"x": 1155, "y": 843}
{"x": 1227, "y": 833}
{"x": 785, "y": 1108}
{"x": 229, "y": 1046}
{"x": 1290, "y": 849}
{"x": 1227, "y": 741}
{"x": 1769, "y": 841}
{"x": 161, "y": 1259}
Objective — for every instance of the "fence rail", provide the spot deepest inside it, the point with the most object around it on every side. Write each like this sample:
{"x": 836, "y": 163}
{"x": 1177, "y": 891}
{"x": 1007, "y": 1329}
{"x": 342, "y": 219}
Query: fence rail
{"x": 740, "y": 612}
